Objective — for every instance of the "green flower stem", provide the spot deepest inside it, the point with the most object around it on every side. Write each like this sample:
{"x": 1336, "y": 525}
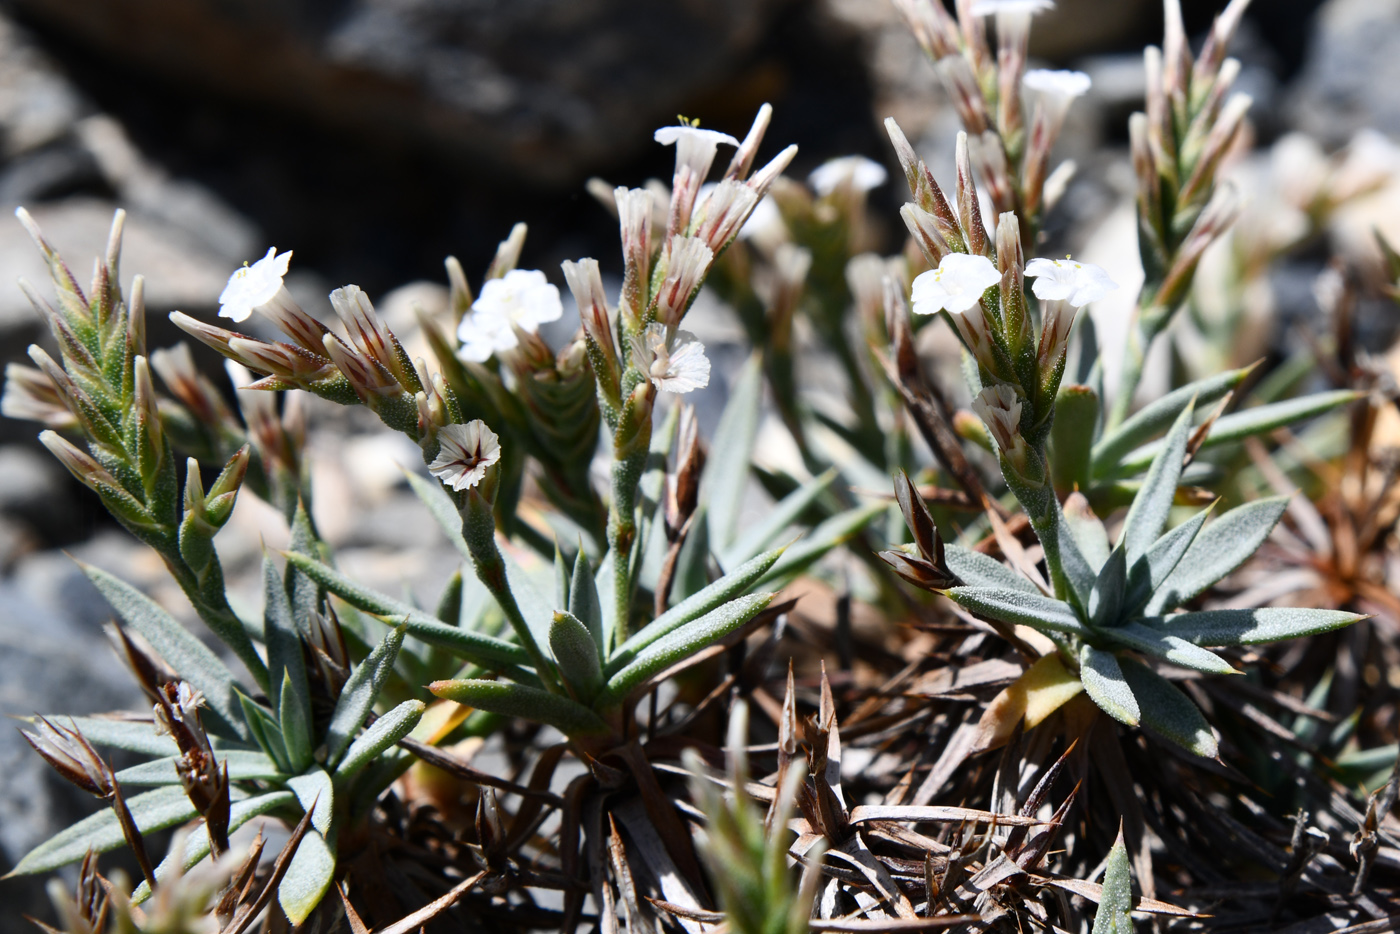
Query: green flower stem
{"x": 622, "y": 533}
{"x": 479, "y": 530}
{"x": 1062, "y": 557}
{"x": 1140, "y": 337}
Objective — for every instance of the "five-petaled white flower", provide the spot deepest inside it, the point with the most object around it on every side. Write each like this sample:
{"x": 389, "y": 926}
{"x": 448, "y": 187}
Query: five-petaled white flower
{"x": 691, "y": 135}
{"x": 522, "y": 298}
{"x": 1064, "y": 280}
{"x": 466, "y": 452}
{"x": 860, "y": 173}
{"x": 674, "y": 360}
{"x": 254, "y": 285}
{"x": 956, "y": 285}
{"x": 992, "y": 7}
{"x": 1057, "y": 84}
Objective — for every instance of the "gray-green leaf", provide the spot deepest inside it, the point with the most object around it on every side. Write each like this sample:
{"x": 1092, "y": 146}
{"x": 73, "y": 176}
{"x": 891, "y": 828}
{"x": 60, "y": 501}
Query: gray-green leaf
{"x": 1174, "y": 649}
{"x": 1116, "y": 904}
{"x": 1168, "y": 711}
{"x": 516, "y": 700}
{"x": 1152, "y": 569}
{"x": 1218, "y": 549}
{"x": 100, "y": 832}
{"x": 1251, "y": 627}
{"x": 726, "y": 473}
{"x": 1148, "y": 514}
{"x": 576, "y": 654}
{"x": 1158, "y": 415}
{"x": 383, "y": 733}
{"x": 1019, "y": 607}
{"x": 772, "y": 525}
{"x": 359, "y": 694}
{"x": 978, "y": 570}
{"x": 1104, "y": 683}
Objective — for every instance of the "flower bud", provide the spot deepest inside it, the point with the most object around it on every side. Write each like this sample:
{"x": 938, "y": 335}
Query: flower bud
{"x": 634, "y": 214}
{"x": 586, "y": 283}
{"x": 969, "y": 207}
{"x": 684, "y": 264}
{"x": 372, "y": 336}
{"x": 695, "y": 153}
{"x": 507, "y": 253}
{"x": 30, "y": 395}
{"x": 742, "y": 163}
{"x": 1000, "y": 410}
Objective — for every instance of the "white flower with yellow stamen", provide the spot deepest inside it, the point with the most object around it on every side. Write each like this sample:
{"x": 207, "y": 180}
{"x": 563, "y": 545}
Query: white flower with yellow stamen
{"x": 522, "y": 298}
{"x": 956, "y": 285}
{"x": 254, "y": 285}
{"x": 466, "y": 453}
{"x": 1064, "y": 280}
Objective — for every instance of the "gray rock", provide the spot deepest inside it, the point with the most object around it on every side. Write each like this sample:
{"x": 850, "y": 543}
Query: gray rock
{"x": 518, "y": 84}
{"x": 1352, "y": 71}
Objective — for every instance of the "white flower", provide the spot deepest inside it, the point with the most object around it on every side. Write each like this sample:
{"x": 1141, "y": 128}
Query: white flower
{"x": 522, "y": 298}
{"x": 992, "y": 7}
{"x": 253, "y": 285}
{"x": 692, "y": 135}
{"x": 956, "y": 285}
{"x": 1063, "y": 280}
{"x": 860, "y": 173}
{"x": 674, "y": 361}
{"x": 1059, "y": 84}
{"x": 467, "y": 450}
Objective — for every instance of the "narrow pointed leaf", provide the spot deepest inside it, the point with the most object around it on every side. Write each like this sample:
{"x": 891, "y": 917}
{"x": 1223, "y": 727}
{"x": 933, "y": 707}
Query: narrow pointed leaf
{"x": 1088, "y": 532}
{"x": 978, "y": 570}
{"x": 1104, "y": 683}
{"x": 1019, "y": 607}
{"x": 1250, "y": 627}
{"x": 443, "y": 511}
{"x": 837, "y": 530}
{"x": 681, "y": 644}
{"x": 1171, "y": 648}
{"x": 735, "y": 583}
{"x": 758, "y": 537}
{"x": 100, "y": 832}
{"x": 576, "y": 654}
{"x": 1157, "y": 416}
{"x": 385, "y": 732}
{"x": 692, "y": 573}
{"x": 295, "y": 725}
{"x": 487, "y": 651}
{"x": 286, "y": 668}
{"x": 182, "y": 650}
{"x": 1106, "y": 599}
{"x": 1168, "y": 711}
{"x": 303, "y": 594}
{"x": 1259, "y": 420}
{"x": 359, "y": 694}
{"x": 1114, "y": 915}
{"x": 1148, "y": 514}
{"x": 726, "y": 474}
{"x": 583, "y": 600}
{"x": 1152, "y": 569}
{"x": 242, "y": 766}
{"x": 1072, "y": 434}
{"x": 267, "y": 732}
{"x": 516, "y": 700}
{"x": 1218, "y": 549}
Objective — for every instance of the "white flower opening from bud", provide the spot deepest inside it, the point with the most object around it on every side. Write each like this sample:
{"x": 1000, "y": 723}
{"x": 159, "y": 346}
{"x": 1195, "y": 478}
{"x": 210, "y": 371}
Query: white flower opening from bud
{"x": 694, "y": 147}
{"x": 522, "y": 298}
{"x": 1015, "y": 7}
{"x": 255, "y": 285}
{"x": 1000, "y": 410}
{"x": 956, "y": 285}
{"x": 673, "y": 360}
{"x": 466, "y": 453}
{"x": 860, "y": 173}
{"x": 1064, "y": 280}
{"x": 1057, "y": 84}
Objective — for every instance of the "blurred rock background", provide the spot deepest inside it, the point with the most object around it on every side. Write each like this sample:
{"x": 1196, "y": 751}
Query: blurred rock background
{"x": 374, "y": 137}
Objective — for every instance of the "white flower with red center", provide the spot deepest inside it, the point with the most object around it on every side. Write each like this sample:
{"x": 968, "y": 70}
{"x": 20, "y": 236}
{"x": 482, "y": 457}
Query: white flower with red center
{"x": 254, "y": 285}
{"x": 522, "y": 298}
{"x": 1064, "y": 280}
{"x": 956, "y": 285}
{"x": 465, "y": 454}
{"x": 860, "y": 173}
{"x": 673, "y": 360}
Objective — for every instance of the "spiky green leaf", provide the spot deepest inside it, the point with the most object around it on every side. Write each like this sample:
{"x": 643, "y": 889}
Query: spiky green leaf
{"x": 1152, "y": 569}
{"x": 242, "y": 766}
{"x": 315, "y": 793}
{"x": 1217, "y": 550}
{"x": 978, "y": 570}
{"x": 1171, "y": 648}
{"x": 152, "y": 810}
{"x": 190, "y": 658}
{"x": 359, "y": 694}
{"x": 383, "y": 733}
{"x": 767, "y": 530}
{"x": 1156, "y": 416}
{"x": 576, "y": 654}
{"x": 1148, "y": 514}
{"x": 1114, "y": 915}
{"x": 286, "y": 668}
{"x": 1106, "y": 599}
{"x": 1019, "y": 607}
{"x": 835, "y": 531}
{"x": 308, "y": 878}
{"x": 516, "y": 700}
{"x": 1250, "y": 627}
{"x": 726, "y": 474}
{"x": 583, "y": 600}
{"x": 132, "y": 735}
{"x": 681, "y": 644}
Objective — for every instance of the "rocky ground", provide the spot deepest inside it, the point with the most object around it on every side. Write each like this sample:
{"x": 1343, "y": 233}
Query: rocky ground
{"x": 378, "y": 140}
